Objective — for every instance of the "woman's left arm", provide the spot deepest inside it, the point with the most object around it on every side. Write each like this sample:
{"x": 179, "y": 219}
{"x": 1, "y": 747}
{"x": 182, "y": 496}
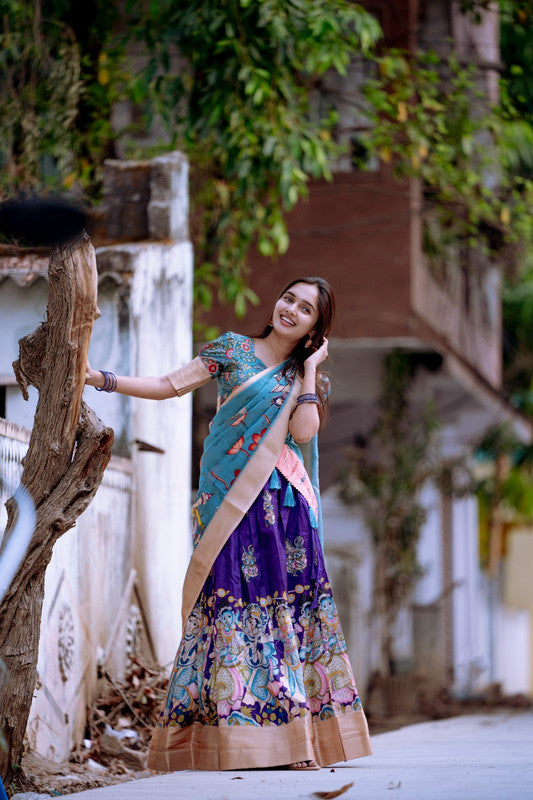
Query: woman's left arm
{"x": 305, "y": 422}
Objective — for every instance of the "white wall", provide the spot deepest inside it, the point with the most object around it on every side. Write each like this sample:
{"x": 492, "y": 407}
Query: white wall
{"x": 161, "y": 342}
{"x": 429, "y": 550}
{"x": 110, "y": 349}
{"x": 512, "y": 669}
{"x": 22, "y": 308}
{"x": 85, "y": 585}
{"x": 471, "y": 644}
{"x": 349, "y": 564}
{"x": 518, "y": 600}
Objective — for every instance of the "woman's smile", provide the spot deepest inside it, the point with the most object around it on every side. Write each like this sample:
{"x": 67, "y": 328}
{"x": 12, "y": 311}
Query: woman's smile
{"x": 286, "y": 321}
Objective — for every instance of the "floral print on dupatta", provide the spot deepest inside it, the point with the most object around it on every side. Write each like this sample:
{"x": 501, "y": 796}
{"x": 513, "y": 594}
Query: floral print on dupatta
{"x": 235, "y": 435}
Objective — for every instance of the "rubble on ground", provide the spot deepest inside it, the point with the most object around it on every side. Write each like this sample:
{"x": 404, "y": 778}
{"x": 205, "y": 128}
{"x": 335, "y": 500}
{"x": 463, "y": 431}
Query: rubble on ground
{"x": 121, "y": 720}
{"x": 119, "y": 728}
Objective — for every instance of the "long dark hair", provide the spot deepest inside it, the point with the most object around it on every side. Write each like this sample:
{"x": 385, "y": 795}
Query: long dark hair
{"x": 322, "y": 328}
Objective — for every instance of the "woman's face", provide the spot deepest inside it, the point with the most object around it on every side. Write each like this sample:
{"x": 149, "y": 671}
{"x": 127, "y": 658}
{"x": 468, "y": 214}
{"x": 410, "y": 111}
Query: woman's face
{"x": 296, "y": 311}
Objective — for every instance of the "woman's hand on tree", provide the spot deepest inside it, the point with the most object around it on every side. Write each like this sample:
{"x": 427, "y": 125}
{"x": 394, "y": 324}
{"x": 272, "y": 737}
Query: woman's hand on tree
{"x": 93, "y": 377}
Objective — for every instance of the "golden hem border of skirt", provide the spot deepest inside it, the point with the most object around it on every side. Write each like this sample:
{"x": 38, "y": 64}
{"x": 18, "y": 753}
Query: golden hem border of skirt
{"x": 235, "y": 747}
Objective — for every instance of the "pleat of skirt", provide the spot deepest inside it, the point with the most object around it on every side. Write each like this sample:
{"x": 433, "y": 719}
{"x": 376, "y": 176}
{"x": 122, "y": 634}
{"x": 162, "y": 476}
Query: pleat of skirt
{"x": 262, "y": 677}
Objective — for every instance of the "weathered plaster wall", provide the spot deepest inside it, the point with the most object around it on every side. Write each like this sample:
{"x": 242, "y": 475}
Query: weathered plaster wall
{"x": 160, "y": 336}
{"x": 113, "y": 587}
{"x": 21, "y": 310}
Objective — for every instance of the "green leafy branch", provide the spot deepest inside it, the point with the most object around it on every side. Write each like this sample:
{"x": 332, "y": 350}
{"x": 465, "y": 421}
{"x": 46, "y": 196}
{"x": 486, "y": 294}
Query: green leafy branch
{"x": 237, "y": 85}
{"x": 430, "y": 121}
{"x": 40, "y": 87}
{"x": 234, "y": 83}
{"x": 243, "y": 110}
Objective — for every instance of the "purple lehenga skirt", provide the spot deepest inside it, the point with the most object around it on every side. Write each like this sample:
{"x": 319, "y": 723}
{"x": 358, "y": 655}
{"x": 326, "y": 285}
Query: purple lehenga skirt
{"x": 261, "y": 676}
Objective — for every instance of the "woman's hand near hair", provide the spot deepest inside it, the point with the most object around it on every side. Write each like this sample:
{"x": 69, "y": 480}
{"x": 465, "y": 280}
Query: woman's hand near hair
{"x": 305, "y": 420}
{"x": 147, "y": 388}
{"x": 317, "y": 357}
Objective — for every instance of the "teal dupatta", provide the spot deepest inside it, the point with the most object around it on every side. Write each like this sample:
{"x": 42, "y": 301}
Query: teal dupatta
{"x": 235, "y": 435}
{"x": 244, "y": 443}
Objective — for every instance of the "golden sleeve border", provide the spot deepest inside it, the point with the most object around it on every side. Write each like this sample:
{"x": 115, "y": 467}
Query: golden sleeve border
{"x": 189, "y": 377}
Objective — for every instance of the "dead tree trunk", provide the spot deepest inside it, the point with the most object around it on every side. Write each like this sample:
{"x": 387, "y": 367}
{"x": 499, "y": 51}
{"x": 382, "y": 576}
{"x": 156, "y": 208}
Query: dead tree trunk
{"x": 68, "y": 452}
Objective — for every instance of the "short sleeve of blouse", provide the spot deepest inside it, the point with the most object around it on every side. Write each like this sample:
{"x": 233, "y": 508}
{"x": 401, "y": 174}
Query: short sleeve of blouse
{"x": 217, "y": 355}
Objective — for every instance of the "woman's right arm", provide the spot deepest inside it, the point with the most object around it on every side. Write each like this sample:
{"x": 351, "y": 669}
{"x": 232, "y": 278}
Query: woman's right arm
{"x": 196, "y": 373}
{"x": 149, "y": 388}
{"x": 186, "y": 378}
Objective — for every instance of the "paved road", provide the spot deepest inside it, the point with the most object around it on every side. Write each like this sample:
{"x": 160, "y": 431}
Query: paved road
{"x": 478, "y": 757}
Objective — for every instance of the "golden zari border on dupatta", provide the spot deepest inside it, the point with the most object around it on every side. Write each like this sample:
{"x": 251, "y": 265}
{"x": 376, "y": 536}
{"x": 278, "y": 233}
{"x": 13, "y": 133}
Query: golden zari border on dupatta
{"x": 205, "y": 747}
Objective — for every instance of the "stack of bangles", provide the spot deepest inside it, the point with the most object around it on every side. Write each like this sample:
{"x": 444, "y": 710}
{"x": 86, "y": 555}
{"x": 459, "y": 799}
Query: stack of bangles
{"x": 311, "y": 397}
{"x": 110, "y": 382}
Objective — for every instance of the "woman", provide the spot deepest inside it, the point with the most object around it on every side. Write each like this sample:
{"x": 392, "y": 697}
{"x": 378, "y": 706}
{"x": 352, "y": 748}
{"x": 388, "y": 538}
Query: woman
{"x": 261, "y": 676}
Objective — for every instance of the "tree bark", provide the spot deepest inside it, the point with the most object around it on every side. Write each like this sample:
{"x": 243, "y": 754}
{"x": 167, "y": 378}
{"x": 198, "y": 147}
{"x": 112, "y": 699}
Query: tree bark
{"x": 68, "y": 452}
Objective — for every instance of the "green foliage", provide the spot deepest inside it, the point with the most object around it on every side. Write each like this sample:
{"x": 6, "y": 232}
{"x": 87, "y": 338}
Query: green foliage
{"x": 517, "y": 54}
{"x": 512, "y": 12}
{"x": 430, "y": 121}
{"x": 386, "y": 482}
{"x": 517, "y": 319}
{"x": 243, "y": 111}
{"x": 516, "y": 146}
{"x": 238, "y": 100}
{"x": 40, "y": 86}
{"x": 61, "y": 71}
{"x": 237, "y": 86}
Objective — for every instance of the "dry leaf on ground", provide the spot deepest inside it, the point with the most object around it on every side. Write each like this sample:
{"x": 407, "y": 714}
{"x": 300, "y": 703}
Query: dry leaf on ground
{"x": 335, "y": 793}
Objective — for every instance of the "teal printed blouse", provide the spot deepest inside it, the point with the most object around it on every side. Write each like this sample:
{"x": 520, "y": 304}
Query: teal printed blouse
{"x": 232, "y": 360}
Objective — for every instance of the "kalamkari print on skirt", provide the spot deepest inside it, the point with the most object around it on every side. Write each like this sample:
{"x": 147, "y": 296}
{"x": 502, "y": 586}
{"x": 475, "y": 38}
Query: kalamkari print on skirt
{"x": 263, "y": 645}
